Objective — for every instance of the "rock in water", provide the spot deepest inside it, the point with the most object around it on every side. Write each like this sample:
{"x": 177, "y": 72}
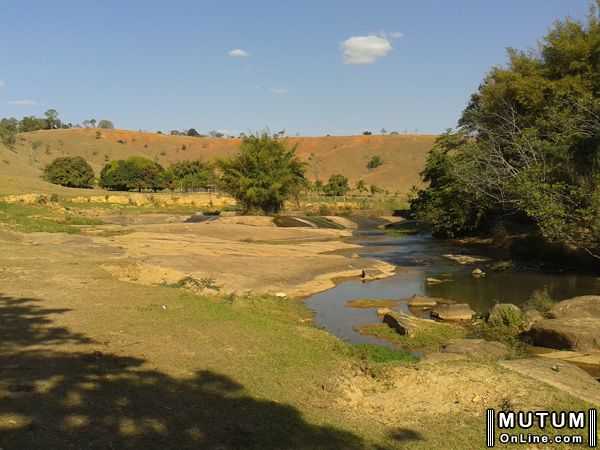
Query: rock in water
{"x": 460, "y": 311}
{"x": 405, "y": 324}
{"x": 420, "y": 301}
{"x": 478, "y": 273}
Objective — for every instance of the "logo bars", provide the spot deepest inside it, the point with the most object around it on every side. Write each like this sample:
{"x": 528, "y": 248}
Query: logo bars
{"x": 490, "y": 428}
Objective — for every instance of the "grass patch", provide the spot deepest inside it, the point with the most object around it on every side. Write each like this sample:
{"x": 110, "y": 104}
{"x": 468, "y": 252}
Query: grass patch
{"x": 196, "y": 284}
{"x": 29, "y": 219}
{"x": 501, "y": 266}
{"x": 540, "y": 301}
{"x": 369, "y": 303}
{"x": 429, "y": 339}
{"x": 378, "y": 354}
{"x": 324, "y": 222}
{"x": 111, "y": 233}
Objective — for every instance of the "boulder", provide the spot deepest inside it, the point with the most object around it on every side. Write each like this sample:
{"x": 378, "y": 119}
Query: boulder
{"x": 581, "y": 334}
{"x": 405, "y": 324}
{"x": 478, "y": 273}
{"x": 477, "y": 348}
{"x": 579, "y": 307}
{"x": 460, "y": 311}
{"x": 532, "y": 316}
{"x": 496, "y": 311}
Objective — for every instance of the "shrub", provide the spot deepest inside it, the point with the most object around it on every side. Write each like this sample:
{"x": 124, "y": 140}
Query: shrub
{"x": 190, "y": 175}
{"x": 337, "y": 185}
{"x": 70, "y": 171}
{"x": 539, "y": 301}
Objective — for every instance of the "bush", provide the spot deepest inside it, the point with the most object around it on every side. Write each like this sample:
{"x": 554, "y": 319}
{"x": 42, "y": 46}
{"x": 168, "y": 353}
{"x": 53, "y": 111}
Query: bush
{"x": 190, "y": 175}
{"x": 70, "y": 171}
{"x": 539, "y": 301}
{"x": 136, "y": 173}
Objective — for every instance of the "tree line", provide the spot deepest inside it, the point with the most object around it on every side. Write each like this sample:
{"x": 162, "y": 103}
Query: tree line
{"x": 11, "y": 127}
{"x": 527, "y": 149}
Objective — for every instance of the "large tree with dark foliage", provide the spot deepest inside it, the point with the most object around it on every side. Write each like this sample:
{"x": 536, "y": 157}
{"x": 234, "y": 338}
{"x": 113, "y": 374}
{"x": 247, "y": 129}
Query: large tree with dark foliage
{"x": 70, "y": 171}
{"x": 528, "y": 144}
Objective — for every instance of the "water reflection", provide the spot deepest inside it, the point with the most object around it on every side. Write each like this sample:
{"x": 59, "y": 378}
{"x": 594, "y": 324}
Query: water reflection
{"x": 419, "y": 257}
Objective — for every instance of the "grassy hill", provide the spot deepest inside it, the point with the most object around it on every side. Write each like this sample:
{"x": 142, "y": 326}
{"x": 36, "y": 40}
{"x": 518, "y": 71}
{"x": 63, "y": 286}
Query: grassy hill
{"x": 403, "y": 155}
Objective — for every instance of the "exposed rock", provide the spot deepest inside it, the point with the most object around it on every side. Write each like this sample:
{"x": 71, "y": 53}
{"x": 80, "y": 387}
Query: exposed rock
{"x": 530, "y": 317}
{"x": 405, "y": 324}
{"x": 579, "y": 307}
{"x": 477, "y": 348}
{"x": 460, "y": 311}
{"x": 478, "y": 273}
{"x": 431, "y": 280}
{"x": 280, "y": 294}
{"x": 354, "y": 255}
{"x": 383, "y": 311}
{"x": 466, "y": 259}
{"x": 420, "y": 301}
{"x": 496, "y": 311}
{"x": 568, "y": 378}
{"x": 567, "y": 333}
{"x": 586, "y": 360}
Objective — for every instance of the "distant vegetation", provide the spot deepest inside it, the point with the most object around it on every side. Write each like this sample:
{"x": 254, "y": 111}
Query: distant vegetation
{"x": 337, "y": 185}
{"x": 70, "y": 171}
{"x": 528, "y": 146}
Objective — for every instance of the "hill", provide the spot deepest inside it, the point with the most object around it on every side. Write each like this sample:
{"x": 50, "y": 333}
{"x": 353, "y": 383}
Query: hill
{"x": 403, "y": 155}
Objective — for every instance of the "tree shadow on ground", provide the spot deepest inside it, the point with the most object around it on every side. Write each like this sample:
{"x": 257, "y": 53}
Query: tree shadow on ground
{"x": 51, "y": 398}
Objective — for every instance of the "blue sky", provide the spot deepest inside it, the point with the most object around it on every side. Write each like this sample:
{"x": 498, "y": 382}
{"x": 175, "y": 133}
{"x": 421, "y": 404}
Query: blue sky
{"x": 158, "y": 65}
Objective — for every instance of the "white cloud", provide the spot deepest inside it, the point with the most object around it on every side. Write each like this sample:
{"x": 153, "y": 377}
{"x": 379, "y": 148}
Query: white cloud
{"x": 365, "y": 49}
{"x": 2, "y": 83}
{"x": 239, "y": 53}
{"x": 23, "y": 103}
{"x": 396, "y": 35}
{"x": 278, "y": 91}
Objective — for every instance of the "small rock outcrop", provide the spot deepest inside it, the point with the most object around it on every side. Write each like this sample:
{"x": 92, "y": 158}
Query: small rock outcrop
{"x": 477, "y": 348}
{"x": 460, "y": 311}
{"x": 582, "y": 334}
{"x": 579, "y": 307}
{"x": 466, "y": 259}
{"x": 478, "y": 273}
{"x": 420, "y": 301}
{"x": 405, "y": 324}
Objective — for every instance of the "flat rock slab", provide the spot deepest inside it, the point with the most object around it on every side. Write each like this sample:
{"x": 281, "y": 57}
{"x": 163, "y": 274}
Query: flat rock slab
{"x": 477, "y": 348}
{"x": 567, "y": 334}
{"x": 573, "y": 357}
{"x": 420, "y": 301}
{"x": 561, "y": 375}
{"x": 466, "y": 259}
{"x": 578, "y": 307}
{"x": 460, "y": 311}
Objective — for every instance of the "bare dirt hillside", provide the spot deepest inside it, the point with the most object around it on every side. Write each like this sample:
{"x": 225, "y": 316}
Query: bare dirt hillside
{"x": 403, "y": 155}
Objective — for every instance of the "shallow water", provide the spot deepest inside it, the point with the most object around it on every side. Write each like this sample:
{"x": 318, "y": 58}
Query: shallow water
{"x": 419, "y": 257}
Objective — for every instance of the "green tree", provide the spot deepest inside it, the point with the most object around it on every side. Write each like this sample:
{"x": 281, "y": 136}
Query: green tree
{"x": 105, "y": 124}
{"x": 8, "y": 132}
{"x": 263, "y": 175}
{"x": 374, "y": 162}
{"x": 361, "y": 187}
{"x": 337, "y": 185}
{"x": 52, "y": 120}
{"x": 135, "y": 173}
{"x": 31, "y": 123}
{"x": 528, "y": 145}
{"x": 70, "y": 171}
{"x": 190, "y": 175}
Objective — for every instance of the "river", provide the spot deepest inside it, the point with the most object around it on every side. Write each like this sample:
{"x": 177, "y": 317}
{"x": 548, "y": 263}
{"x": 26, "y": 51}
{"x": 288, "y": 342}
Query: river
{"x": 418, "y": 257}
